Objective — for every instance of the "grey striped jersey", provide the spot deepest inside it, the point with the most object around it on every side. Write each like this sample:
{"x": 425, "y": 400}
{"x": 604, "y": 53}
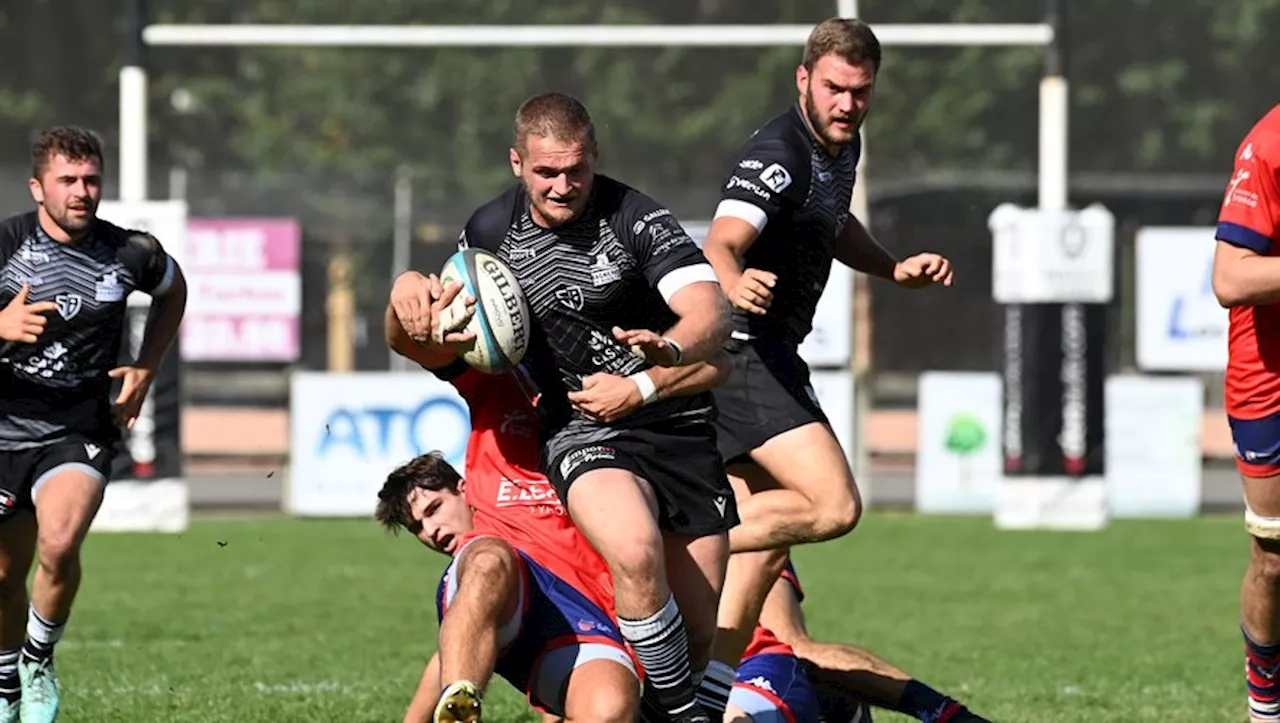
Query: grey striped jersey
{"x": 797, "y": 196}
{"x": 59, "y": 386}
{"x": 615, "y": 266}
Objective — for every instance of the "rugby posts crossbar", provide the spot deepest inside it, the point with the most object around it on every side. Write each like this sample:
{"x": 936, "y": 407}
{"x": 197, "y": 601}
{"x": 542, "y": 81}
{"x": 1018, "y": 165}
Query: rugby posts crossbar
{"x": 509, "y": 36}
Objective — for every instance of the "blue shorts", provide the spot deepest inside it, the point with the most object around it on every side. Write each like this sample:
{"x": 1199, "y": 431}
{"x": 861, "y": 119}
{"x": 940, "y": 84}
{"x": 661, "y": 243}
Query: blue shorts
{"x": 554, "y": 630}
{"x": 773, "y": 688}
{"x": 1257, "y": 443}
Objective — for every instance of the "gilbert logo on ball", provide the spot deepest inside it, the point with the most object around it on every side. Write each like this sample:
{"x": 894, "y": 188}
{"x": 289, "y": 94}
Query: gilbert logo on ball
{"x": 501, "y": 320}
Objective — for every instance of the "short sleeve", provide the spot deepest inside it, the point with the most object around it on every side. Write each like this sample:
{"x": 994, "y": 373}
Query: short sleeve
{"x": 1250, "y": 214}
{"x": 150, "y": 265}
{"x": 489, "y": 225}
{"x": 768, "y": 176}
{"x": 663, "y": 250}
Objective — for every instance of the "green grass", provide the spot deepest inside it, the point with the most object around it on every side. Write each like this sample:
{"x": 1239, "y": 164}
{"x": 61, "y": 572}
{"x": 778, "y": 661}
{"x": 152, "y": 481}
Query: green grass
{"x": 294, "y": 620}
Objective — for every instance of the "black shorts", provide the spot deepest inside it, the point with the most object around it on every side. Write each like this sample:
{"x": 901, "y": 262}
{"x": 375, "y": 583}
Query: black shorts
{"x": 767, "y": 393}
{"x": 22, "y": 471}
{"x": 680, "y": 462}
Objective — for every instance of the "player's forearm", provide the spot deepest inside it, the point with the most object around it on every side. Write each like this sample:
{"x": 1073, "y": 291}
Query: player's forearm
{"x": 692, "y": 379}
{"x": 426, "y": 356}
{"x": 163, "y": 322}
{"x": 1249, "y": 281}
{"x": 725, "y": 263}
{"x": 856, "y": 248}
{"x": 704, "y": 323}
{"x": 423, "y": 706}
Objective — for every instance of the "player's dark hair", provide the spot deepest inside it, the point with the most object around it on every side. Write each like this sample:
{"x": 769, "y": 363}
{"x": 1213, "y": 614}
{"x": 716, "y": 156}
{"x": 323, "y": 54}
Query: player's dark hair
{"x": 74, "y": 142}
{"x": 847, "y": 38}
{"x": 429, "y": 472}
{"x": 554, "y": 115}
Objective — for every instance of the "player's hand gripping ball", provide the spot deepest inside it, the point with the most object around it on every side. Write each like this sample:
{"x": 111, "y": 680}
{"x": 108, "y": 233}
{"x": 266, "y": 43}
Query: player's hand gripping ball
{"x": 500, "y": 319}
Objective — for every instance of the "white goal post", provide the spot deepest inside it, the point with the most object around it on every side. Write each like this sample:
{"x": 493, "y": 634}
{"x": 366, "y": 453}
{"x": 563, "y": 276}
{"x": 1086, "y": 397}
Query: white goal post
{"x": 1053, "y": 114}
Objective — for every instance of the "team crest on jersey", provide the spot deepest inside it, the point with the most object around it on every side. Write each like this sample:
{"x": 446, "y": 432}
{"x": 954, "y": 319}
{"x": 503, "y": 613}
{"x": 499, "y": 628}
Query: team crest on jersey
{"x": 69, "y": 305}
{"x": 109, "y": 289}
{"x": 604, "y": 271}
{"x": 570, "y": 296}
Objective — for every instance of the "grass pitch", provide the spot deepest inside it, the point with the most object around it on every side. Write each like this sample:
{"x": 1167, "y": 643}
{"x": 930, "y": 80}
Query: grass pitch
{"x": 299, "y": 620}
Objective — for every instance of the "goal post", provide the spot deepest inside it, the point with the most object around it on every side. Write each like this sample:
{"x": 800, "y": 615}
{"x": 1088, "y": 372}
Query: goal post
{"x": 1053, "y": 111}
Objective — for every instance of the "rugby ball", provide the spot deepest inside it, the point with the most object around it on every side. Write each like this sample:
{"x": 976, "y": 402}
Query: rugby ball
{"x": 501, "y": 321}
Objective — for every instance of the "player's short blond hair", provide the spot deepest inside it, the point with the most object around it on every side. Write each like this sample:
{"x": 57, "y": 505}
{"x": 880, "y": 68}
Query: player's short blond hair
{"x": 554, "y": 115}
{"x": 847, "y": 38}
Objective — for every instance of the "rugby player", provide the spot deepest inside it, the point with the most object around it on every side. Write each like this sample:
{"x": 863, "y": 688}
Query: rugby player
{"x": 847, "y": 678}
{"x": 64, "y": 278}
{"x": 617, "y": 287}
{"x": 526, "y": 595}
{"x": 782, "y": 219}
{"x": 1246, "y": 280}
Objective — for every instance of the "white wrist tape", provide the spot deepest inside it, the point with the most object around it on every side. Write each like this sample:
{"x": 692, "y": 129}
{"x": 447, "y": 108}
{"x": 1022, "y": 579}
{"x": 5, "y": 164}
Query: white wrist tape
{"x": 644, "y": 382}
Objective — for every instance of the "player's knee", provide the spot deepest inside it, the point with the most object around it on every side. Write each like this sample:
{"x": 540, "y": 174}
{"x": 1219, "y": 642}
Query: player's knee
{"x": 1265, "y": 560}
{"x": 636, "y": 563}
{"x": 836, "y": 518}
{"x": 59, "y": 550}
{"x": 608, "y": 704}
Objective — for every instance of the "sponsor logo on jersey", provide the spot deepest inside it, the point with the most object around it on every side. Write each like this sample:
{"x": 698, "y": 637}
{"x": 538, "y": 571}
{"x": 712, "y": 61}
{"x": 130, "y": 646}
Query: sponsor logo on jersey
{"x": 776, "y": 177}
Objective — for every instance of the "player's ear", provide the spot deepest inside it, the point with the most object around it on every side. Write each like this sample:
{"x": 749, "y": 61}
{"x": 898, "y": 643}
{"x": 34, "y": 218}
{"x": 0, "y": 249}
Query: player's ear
{"x": 515, "y": 161}
{"x": 37, "y": 191}
{"x": 462, "y": 486}
{"x": 802, "y": 79}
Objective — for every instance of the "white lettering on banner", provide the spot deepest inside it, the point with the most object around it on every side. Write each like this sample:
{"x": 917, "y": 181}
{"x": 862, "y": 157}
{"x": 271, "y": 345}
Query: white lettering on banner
{"x": 211, "y": 338}
{"x": 1075, "y": 425}
{"x": 235, "y": 249}
{"x": 1180, "y": 325}
{"x": 349, "y": 430}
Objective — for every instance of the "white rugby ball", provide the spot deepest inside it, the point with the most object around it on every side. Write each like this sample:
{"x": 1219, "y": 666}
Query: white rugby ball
{"x": 501, "y": 321}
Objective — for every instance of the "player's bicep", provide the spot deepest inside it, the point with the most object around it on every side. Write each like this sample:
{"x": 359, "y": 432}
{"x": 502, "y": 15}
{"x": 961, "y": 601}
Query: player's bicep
{"x": 731, "y": 235}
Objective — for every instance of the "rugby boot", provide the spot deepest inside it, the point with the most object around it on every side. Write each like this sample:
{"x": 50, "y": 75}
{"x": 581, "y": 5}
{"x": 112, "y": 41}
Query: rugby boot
{"x": 39, "y": 691}
{"x": 8, "y": 712}
{"x": 460, "y": 703}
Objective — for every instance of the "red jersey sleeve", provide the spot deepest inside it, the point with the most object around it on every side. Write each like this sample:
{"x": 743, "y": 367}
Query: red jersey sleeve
{"x": 1250, "y": 214}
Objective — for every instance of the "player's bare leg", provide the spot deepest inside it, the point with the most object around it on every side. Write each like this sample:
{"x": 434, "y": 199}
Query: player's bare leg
{"x": 696, "y": 570}
{"x": 17, "y": 547}
{"x": 67, "y": 498}
{"x": 749, "y": 578}
{"x": 853, "y": 671}
{"x": 488, "y": 595}
{"x": 603, "y": 691}
{"x": 815, "y": 498}
{"x": 1259, "y": 596}
{"x": 617, "y": 512}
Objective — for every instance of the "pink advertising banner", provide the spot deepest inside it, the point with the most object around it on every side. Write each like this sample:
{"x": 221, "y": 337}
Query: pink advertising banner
{"x": 245, "y": 289}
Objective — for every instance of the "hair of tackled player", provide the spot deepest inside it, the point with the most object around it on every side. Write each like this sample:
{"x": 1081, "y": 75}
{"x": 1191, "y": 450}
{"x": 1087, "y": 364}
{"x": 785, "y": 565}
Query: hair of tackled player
{"x": 429, "y": 471}
{"x": 72, "y": 142}
{"x": 848, "y": 38}
{"x": 554, "y": 115}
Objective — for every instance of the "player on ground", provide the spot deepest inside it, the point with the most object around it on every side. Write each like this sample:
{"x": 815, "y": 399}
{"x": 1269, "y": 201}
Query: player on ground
{"x": 784, "y": 216}
{"x": 847, "y": 677}
{"x": 1246, "y": 279}
{"x": 64, "y": 278}
{"x": 616, "y": 287}
{"x": 567, "y": 623}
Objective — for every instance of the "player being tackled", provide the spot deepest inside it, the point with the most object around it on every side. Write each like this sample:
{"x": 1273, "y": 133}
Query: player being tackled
{"x": 526, "y": 596}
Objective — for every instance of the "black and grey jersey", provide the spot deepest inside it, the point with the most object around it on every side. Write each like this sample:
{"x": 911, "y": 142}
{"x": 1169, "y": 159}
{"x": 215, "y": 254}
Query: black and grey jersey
{"x": 797, "y": 196}
{"x": 615, "y": 266}
{"x": 59, "y": 385}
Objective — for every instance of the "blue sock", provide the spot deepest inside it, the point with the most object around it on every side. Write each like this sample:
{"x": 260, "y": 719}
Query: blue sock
{"x": 927, "y": 704}
{"x": 1262, "y": 668}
